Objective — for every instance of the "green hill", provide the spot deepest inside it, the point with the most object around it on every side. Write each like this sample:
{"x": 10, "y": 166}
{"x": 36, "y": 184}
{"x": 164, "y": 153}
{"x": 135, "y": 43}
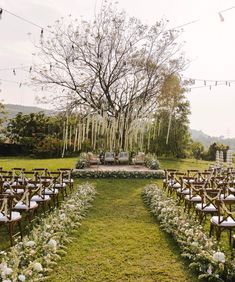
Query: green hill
{"x": 12, "y": 110}
{"x": 206, "y": 140}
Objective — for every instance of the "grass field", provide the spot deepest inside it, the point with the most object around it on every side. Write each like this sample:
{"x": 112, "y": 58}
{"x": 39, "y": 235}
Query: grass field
{"x": 53, "y": 164}
{"x": 27, "y": 163}
{"x": 119, "y": 240}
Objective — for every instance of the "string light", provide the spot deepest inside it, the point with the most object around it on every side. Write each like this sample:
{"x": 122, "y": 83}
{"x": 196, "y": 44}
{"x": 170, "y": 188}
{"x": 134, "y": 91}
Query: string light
{"x": 220, "y": 13}
{"x": 207, "y": 83}
{"x": 23, "y": 19}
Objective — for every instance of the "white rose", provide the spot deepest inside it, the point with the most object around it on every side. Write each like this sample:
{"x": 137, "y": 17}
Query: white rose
{"x": 52, "y": 244}
{"x": 30, "y": 244}
{"x": 37, "y": 266}
{"x": 62, "y": 216}
{"x": 219, "y": 257}
{"x": 21, "y": 277}
{"x": 6, "y": 271}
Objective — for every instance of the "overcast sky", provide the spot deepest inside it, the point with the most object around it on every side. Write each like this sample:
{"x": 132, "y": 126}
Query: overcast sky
{"x": 209, "y": 44}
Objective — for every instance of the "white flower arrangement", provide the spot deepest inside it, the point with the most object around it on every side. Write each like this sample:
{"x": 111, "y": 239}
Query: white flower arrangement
{"x": 32, "y": 259}
{"x": 158, "y": 174}
{"x": 203, "y": 252}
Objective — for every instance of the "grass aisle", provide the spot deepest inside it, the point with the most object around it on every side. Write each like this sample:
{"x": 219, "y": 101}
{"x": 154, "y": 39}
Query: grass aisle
{"x": 120, "y": 241}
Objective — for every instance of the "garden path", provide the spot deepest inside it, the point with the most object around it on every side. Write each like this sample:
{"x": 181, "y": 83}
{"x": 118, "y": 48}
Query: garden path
{"x": 119, "y": 240}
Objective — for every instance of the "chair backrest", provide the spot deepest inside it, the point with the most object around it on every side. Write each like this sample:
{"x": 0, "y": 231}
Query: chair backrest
{"x": 209, "y": 196}
{"x": 41, "y": 171}
{"x": 109, "y": 155}
{"x": 6, "y": 203}
{"x": 223, "y": 212}
{"x": 123, "y": 155}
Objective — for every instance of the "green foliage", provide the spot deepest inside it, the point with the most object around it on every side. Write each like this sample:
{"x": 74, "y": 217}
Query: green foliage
{"x": 158, "y": 174}
{"x": 81, "y": 163}
{"x": 27, "y": 126}
{"x": 171, "y": 126}
{"x": 197, "y": 150}
{"x": 40, "y": 133}
{"x": 48, "y": 147}
{"x": 151, "y": 161}
{"x": 211, "y": 153}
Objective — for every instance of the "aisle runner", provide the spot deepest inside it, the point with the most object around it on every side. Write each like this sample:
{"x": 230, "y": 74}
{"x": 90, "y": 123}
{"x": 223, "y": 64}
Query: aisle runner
{"x": 120, "y": 241}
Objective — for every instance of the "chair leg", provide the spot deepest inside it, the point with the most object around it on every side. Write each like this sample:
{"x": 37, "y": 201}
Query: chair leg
{"x": 57, "y": 199}
{"x": 218, "y": 233}
{"x": 211, "y": 230}
{"x": 230, "y": 236}
{"x": 10, "y": 229}
{"x": 19, "y": 225}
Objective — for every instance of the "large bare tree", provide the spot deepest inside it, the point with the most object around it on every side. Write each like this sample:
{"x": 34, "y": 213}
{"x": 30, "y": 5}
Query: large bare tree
{"x": 113, "y": 67}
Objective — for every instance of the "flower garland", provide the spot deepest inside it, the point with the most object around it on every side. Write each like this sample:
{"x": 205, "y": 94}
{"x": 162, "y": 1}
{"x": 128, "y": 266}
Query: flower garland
{"x": 158, "y": 174}
{"x": 34, "y": 257}
{"x": 203, "y": 252}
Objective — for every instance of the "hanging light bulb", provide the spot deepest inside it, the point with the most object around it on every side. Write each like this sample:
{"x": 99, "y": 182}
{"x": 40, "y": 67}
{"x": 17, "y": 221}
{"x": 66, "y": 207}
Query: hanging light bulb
{"x": 221, "y": 17}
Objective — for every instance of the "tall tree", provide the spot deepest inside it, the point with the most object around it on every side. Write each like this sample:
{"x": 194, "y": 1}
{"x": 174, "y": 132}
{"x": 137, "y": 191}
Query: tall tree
{"x": 171, "y": 125}
{"x": 197, "y": 150}
{"x": 31, "y": 126}
{"x": 113, "y": 67}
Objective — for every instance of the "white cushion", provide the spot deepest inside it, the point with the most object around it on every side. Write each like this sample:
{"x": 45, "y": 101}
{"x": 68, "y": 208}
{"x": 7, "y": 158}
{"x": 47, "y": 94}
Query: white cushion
{"x": 229, "y": 222}
{"x": 51, "y": 191}
{"x": 32, "y": 185}
{"x": 208, "y": 208}
{"x": 176, "y": 185}
{"x": 68, "y": 180}
{"x": 183, "y": 191}
{"x": 194, "y": 198}
{"x": 60, "y": 185}
{"x": 14, "y": 216}
{"x": 17, "y": 191}
{"x": 22, "y": 206}
{"x": 38, "y": 198}
{"x": 229, "y": 197}
{"x": 232, "y": 189}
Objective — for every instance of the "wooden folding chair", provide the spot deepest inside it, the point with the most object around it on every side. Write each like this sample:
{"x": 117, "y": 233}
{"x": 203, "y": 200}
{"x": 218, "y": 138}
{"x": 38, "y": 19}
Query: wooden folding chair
{"x": 25, "y": 203}
{"x": 224, "y": 220}
{"x": 66, "y": 174}
{"x": 8, "y": 217}
{"x": 207, "y": 205}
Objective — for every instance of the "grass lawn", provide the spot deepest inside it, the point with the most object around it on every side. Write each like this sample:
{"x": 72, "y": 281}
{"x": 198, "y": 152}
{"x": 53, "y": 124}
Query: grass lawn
{"x": 120, "y": 241}
{"x": 183, "y": 164}
{"x": 51, "y": 164}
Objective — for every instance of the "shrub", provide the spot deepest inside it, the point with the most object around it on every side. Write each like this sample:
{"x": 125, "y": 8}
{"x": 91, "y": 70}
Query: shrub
{"x": 152, "y": 162}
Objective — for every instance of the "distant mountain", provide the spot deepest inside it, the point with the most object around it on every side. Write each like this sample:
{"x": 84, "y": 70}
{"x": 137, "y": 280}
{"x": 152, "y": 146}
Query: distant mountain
{"x": 12, "y": 110}
{"x": 206, "y": 140}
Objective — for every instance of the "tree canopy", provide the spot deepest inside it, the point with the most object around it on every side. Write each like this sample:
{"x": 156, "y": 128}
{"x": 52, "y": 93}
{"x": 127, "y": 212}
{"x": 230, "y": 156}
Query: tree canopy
{"x": 113, "y": 68}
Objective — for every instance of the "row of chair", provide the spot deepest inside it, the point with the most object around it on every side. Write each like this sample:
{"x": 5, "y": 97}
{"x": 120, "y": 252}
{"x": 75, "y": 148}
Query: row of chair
{"x": 24, "y": 191}
{"x": 209, "y": 192}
